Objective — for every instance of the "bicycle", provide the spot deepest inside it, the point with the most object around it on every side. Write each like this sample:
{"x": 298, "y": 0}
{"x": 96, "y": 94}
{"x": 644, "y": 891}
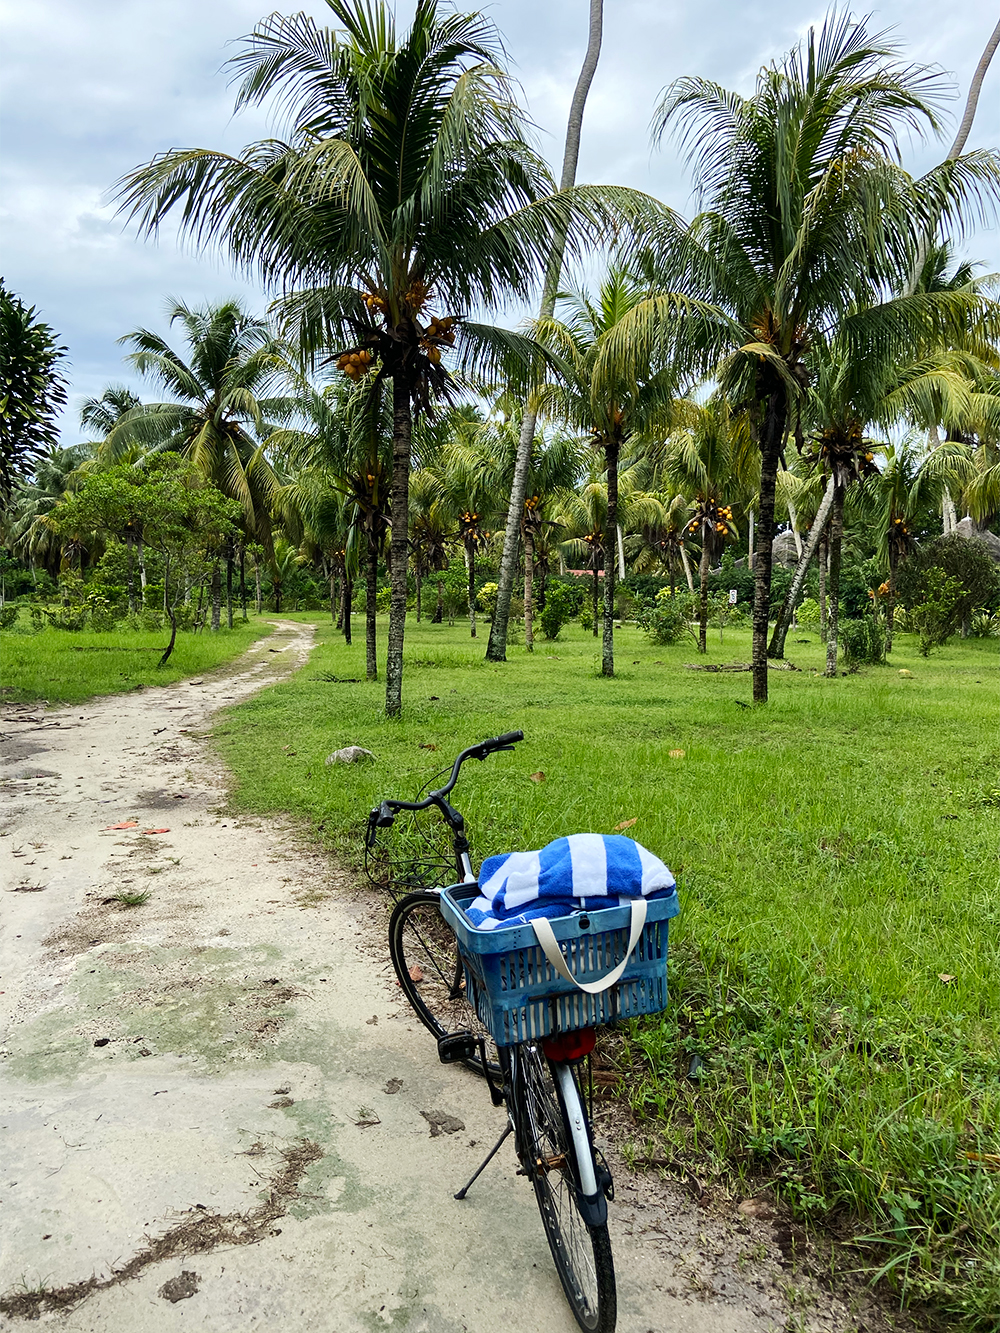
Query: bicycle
{"x": 506, "y": 1004}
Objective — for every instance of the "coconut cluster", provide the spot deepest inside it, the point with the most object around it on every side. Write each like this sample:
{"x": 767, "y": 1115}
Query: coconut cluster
{"x": 355, "y": 364}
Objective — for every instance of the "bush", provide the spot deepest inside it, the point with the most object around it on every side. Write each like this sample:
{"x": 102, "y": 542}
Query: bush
{"x": 936, "y": 617}
{"x": 984, "y": 625}
{"x": 8, "y": 614}
{"x": 665, "y": 620}
{"x": 969, "y": 569}
{"x": 807, "y": 613}
{"x": 486, "y": 599}
{"x": 558, "y": 609}
{"x": 861, "y": 641}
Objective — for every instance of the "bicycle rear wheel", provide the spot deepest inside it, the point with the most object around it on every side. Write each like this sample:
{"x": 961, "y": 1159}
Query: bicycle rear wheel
{"x": 582, "y": 1253}
{"x": 424, "y": 954}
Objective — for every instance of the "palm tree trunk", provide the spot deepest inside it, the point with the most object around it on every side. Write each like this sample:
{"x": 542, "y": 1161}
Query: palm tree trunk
{"x": 400, "y": 509}
{"x": 824, "y": 565}
{"x": 471, "y": 554}
{"x": 333, "y": 580}
{"x": 776, "y": 648}
{"x": 703, "y": 606}
{"x": 529, "y": 587}
{"x": 416, "y": 575}
{"x": 890, "y": 608}
{"x": 130, "y": 550}
{"x": 169, "y": 608}
{"x": 258, "y": 591}
{"x": 687, "y": 570}
{"x": 611, "y": 451}
{"x": 958, "y": 146}
{"x": 243, "y": 582}
{"x": 836, "y": 543}
{"x": 229, "y": 586}
{"x": 371, "y": 594}
{"x": 216, "y": 596}
{"x": 496, "y": 650}
{"x": 438, "y": 616}
{"x": 346, "y": 596}
{"x": 772, "y": 437}
{"x": 594, "y": 560}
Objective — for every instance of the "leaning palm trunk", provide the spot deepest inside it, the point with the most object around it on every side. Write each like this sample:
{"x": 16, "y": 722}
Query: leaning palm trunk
{"x": 836, "y": 543}
{"x": 496, "y": 650}
{"x": 610, "y": 540}
{"x": 777, "y": 644}
{"x": 529, "y": 579}
{"x": 399, "y": 549}
{"x": 703, "y": 564}
{"x": 594, "y": 592}
{"x": 772, "y": 436}
{"x": 824, "y": 565}
{"x": 687, "y": 571}
{"x": 958, "y": 147}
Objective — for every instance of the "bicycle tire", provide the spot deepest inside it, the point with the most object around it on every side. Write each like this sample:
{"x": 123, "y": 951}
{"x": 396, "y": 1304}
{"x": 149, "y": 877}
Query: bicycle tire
{"x": 425, "y": 958}
{"x": 582, "y": 1253}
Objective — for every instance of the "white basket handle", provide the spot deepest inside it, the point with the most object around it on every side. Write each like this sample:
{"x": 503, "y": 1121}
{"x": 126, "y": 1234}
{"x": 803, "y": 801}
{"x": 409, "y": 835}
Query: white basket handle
{"x": 550, "y": 947}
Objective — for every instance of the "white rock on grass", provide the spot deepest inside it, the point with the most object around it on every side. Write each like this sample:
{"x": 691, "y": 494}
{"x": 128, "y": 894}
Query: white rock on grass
{"x": 351, "y": 754}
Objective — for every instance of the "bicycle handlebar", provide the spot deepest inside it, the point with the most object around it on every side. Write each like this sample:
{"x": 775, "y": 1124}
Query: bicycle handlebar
{"x": 383, "y": 815}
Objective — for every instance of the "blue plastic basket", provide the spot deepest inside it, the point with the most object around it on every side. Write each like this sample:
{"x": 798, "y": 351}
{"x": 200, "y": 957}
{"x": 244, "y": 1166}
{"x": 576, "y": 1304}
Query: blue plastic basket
{"x": 519, "y": 995}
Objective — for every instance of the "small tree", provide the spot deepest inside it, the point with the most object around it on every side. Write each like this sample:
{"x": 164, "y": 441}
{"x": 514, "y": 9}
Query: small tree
{"x": 967, "y": 564}
{"x": 185, "y": 519}
{"x": 32, "y": 390}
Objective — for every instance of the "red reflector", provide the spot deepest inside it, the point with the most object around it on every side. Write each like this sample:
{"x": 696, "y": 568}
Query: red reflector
{"x": 569, "y": 1045}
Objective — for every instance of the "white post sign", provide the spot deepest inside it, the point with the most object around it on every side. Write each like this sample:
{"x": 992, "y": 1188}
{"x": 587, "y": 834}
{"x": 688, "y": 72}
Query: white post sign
{"x": 732, "y": 596}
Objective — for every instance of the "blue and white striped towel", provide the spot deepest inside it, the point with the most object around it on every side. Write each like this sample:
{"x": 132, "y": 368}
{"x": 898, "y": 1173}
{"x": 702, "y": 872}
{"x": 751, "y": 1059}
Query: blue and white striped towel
{"x": 585, "y": 871}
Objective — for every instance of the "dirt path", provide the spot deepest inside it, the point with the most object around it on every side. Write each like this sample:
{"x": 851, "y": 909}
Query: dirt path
{"x": 216, "y": 1110}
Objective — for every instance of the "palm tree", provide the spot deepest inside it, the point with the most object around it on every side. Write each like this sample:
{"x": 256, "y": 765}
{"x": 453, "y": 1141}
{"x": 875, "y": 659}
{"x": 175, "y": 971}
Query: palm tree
{"x": 430, "y": 528}
{"x": 582, "y": 515}
{"x": 28, "y": 532}
{"x": 337, "y": 451}
{"x": 807, "y": 220}
{"x": 520, "y": 489}
{"x": 406, "y": 195}
{"x": 627, "y": 405}
{"x": 895, "y": 493}
{"x": 216, "y": 417}
{"x": 711, "y": 459}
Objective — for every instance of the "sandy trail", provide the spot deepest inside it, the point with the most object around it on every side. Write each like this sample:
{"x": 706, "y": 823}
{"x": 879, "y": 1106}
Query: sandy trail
{"x": 215, "y": 1106}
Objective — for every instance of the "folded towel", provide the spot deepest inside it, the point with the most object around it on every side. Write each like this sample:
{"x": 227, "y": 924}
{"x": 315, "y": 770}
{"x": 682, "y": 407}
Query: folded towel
{"x": 583, "y": 872}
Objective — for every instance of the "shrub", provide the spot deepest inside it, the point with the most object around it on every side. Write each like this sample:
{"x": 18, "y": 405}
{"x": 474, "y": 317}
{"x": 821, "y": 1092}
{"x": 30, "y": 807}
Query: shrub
{"x": 558, "y": 609}
{"x": 665, "y": 620}
{"x": 984, "y": 625}
{"x": 586, "y": 618}
{"x": 486, "y": 599}
{"x": 861, "y": 641}
{"x": 935, "y": 618}
{"x": 807, "y": 613}
{"x": 969, "y": 568}
{"x": 8, "y": 614}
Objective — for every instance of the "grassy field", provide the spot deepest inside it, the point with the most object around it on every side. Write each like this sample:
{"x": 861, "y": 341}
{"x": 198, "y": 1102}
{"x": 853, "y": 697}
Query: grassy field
{"x": 69, "y": 666}
{"x": 834, "y": 972}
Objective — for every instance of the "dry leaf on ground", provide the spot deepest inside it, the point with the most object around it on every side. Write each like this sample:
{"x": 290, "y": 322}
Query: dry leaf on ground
{"x": 537, "y": 777}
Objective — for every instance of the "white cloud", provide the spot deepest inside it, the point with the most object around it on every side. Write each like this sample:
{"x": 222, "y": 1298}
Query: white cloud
{"x": 93, "y": 89}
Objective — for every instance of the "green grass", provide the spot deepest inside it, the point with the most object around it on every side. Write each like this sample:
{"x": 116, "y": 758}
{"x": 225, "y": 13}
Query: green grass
{"x": 837, "y": 854}
{"x": 68, "y": 666}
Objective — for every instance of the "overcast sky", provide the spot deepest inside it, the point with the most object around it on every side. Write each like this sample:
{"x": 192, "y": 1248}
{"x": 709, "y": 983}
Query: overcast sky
{"x": 92, "y": 88}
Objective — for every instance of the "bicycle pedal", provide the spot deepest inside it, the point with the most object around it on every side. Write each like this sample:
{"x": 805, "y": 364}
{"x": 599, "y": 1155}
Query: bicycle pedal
{"x": 457, "y": 1046}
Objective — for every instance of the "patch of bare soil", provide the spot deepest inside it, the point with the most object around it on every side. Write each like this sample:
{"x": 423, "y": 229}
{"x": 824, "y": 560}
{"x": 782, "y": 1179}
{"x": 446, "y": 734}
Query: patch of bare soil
{"x": 198, "y": 1231}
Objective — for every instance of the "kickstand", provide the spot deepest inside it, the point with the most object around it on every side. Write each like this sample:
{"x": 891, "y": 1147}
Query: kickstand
{"x": 489, "y": 1158}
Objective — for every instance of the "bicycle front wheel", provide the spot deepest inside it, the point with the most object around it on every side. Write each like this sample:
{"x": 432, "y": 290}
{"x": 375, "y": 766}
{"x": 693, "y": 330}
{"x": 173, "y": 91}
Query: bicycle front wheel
{"x": 425, "y": 957}
{"x": 582, "y": 1253}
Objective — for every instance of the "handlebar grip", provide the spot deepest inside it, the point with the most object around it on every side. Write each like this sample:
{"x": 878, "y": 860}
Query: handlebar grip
{"x": 508, "y": 738}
